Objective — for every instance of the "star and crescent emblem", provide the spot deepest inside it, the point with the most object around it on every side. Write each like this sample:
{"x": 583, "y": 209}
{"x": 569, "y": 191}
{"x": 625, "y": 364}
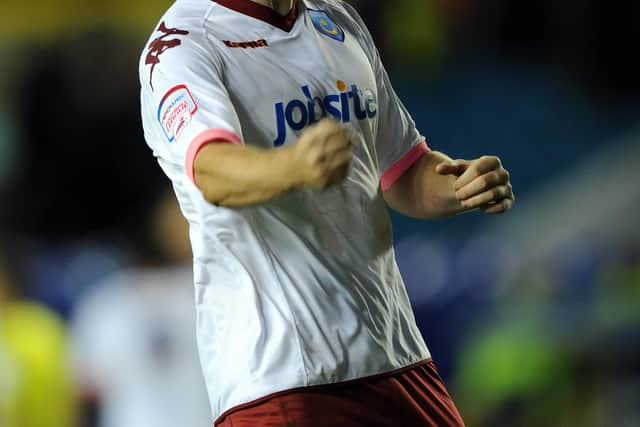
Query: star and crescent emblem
{"x": 326, "y": 26}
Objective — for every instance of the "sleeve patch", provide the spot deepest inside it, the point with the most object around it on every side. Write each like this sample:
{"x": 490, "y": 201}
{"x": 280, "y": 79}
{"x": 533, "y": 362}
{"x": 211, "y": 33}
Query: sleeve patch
{"x": 176, "y": 111}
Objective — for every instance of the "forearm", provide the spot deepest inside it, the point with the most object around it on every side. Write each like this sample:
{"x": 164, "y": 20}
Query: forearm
{"x": 238, "y": 176}
{"x": 424, "y": 193}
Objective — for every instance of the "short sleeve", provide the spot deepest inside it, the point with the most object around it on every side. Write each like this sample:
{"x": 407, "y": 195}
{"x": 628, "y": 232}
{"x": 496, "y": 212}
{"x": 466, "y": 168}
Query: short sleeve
{"x": 185, "y": 103}
{"x": 398, "y": 143}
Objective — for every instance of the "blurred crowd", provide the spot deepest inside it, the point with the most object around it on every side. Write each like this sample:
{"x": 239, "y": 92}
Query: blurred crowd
{"x": 532, "y": 318}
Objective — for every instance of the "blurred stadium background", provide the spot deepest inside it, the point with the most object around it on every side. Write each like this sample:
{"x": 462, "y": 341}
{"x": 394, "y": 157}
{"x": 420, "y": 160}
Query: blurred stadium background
{"x": 532, "y": 317}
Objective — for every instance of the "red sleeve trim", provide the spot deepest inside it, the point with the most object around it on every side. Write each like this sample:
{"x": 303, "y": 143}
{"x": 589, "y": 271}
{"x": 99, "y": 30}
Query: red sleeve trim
{"x": 401, "y": 166}
{"x": 209, "y": 136}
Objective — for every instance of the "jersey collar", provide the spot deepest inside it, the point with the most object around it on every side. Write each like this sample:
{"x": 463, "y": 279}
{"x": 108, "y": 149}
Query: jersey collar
{"x": 263, "y": 13}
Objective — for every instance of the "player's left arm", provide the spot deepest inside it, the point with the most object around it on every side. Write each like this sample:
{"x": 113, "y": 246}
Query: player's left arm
{"x": 436, "y": 186}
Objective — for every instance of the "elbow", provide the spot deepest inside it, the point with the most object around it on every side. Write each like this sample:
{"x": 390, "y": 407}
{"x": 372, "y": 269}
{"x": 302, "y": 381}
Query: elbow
{"x": 210, "y": 189}
{"x": 218, "y": 194}
{"x": 211, "y": 196}
{"x": 218, "y": 187}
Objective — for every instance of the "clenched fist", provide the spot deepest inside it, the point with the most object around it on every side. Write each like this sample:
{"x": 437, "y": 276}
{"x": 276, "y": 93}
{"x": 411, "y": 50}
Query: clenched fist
{"x": 323, "y": 154}
{"x": 482, "y": 183}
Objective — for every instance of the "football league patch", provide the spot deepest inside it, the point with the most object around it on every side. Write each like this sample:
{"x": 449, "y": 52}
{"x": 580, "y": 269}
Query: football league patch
{"x": 176, "y": 110}
{"x": 326, "y": 25}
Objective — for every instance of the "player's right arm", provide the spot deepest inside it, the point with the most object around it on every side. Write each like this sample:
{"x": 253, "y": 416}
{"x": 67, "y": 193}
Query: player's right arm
{"x": 194, "y": 130}
{"x": 234, "y": 176}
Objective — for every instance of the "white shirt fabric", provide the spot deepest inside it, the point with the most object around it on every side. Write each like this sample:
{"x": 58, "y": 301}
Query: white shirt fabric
{"x": 133, "y": 345}
{"x": 303, "y": 290}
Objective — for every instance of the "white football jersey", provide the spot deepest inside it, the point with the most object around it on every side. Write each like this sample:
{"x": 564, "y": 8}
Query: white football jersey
{"x": 303, "y": 290}
{"x": 133, "y": 344}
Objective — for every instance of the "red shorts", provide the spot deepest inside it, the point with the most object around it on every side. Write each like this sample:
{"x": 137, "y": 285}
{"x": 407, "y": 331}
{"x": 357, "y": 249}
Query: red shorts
{"x": 410, "y": 397}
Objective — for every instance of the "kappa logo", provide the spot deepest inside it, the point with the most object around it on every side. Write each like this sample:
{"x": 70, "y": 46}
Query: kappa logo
{"x": 246, "y": 45}
{"x": 160, "y": 45}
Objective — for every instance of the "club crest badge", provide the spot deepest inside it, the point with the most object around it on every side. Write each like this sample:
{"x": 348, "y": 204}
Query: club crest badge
{"x": 325, "y": 25}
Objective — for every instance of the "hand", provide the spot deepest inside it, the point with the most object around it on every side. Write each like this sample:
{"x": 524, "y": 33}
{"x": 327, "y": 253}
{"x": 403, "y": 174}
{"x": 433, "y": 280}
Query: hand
{"x": 323, "y": 154}
{"x": 482, "y": 183}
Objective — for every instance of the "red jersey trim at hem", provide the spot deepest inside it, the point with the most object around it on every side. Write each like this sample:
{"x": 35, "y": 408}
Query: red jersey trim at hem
{"x": 208, "y": 136}
{"x": 341, "y": 384}
{"x": 398, "y": 169}
{"x": 262, "y": 13}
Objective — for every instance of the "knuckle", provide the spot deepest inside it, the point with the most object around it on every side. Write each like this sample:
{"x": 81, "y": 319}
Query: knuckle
{"x": 494, "y": 178}
{"x": 492, "y": 161}
{"x": 341, "y": 144}
{"x": 485, "y": 182}
{"x": 315, "y": 158}
{"x": 486, "y": 158}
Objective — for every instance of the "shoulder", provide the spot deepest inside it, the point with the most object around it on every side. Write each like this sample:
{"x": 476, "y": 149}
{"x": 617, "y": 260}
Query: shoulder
{"x": 338, "y": 8}
{"x": 345, "y": 14}
{"x": 347, "y": 17}
{"x": 178, "y": 38}
{"x": 184, "y": 18}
